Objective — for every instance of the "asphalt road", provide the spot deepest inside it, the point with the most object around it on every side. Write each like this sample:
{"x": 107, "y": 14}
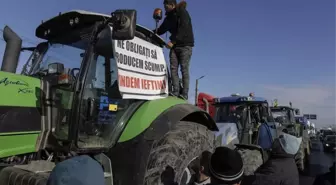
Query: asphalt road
{"x": 320, "y": 163}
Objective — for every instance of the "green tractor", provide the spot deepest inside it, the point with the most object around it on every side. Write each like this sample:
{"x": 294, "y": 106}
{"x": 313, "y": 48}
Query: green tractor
{"x": 96, "y": 86}
{"x": 285, "y": 116}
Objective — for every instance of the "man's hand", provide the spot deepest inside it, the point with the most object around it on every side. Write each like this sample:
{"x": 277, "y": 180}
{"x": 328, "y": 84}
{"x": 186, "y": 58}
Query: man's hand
{"x": 169, "y": 45}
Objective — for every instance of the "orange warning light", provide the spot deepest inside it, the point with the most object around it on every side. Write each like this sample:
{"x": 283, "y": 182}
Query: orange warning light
{"x": 157, "y": 14}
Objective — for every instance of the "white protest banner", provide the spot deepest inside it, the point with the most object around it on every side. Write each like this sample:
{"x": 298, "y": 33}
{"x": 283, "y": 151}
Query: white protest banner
{"x": 142, "y": 69}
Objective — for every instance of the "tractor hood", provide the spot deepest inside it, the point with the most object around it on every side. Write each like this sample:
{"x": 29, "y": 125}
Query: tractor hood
{"x": 12, "y": 51}
{"x": 227, "y": 134}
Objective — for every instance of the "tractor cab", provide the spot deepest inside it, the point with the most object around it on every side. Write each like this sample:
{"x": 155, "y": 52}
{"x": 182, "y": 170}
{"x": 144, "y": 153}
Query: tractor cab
{"x": 78, "y": 66}
{"x": 288, "y": 118}
{"x": 285, "y": 115}
{"x": 245, "y": 114}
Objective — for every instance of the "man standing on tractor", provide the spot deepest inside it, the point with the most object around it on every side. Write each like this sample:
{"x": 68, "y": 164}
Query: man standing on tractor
{"x": 178, "y": 23}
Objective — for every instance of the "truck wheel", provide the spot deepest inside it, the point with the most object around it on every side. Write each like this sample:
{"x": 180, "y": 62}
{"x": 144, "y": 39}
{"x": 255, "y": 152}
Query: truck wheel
{"x": 252, "y": 160}
{"x": 177, "y": 149}
{"x": 300, "y": 158}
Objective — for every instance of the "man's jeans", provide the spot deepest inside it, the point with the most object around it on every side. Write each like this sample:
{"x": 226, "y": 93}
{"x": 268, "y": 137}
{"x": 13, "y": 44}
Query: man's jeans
{"x": 180, "y": 56}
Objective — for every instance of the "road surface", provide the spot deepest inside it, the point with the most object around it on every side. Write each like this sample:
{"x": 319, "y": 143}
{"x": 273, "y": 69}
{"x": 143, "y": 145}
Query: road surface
{"x": 320, "y": 162}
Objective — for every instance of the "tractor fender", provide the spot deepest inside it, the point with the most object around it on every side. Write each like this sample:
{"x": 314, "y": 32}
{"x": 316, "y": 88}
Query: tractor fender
{"x": 176, "y": 113}
{"x": 153, "y": 114}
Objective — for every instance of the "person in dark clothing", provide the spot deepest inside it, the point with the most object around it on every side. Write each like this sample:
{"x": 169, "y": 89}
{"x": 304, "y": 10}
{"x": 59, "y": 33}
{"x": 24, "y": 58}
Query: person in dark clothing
{"x": 327, "y": 178}
{"x": 226, "y": 167}
{"x": 178, "y": 23}
{"x": 280, "y": 169}
{"x": 80, "y": 170}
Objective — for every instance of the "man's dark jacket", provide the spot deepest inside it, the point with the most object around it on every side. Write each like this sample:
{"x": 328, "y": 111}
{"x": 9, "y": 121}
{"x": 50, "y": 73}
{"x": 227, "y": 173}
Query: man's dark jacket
{"x": 280, "y": 169}
{"x": 178, "y": 23}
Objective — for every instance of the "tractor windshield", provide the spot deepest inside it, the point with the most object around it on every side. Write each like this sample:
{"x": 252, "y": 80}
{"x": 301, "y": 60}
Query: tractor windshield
{"x": 69, "y": 55}
{"x": 280, "y": 116}
{"x": 283, "y": 115}
{"x": 67, "y": 50}
{"x": 227, "y": 113}
{"x": 232, "y": 112}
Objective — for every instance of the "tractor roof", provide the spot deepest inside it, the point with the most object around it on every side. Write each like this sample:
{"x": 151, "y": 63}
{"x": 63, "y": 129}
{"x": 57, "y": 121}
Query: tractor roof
{"x": 60, "y": 25}
{"x": 282, "y": 108}
{"x": 239, "y": 99}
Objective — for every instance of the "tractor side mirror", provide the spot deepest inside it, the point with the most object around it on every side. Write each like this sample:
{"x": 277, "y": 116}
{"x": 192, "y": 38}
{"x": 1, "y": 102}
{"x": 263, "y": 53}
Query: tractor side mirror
{"x": 55, "y": 68}
{"x": 124, "y": 24}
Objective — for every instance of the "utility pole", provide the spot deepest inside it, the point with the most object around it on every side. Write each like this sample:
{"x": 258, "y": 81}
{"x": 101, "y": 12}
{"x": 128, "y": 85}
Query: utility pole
{"x": 196, "y": 89}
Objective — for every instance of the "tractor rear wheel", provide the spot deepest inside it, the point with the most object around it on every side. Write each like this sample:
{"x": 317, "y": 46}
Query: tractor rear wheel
{"x": 176, "y": 150}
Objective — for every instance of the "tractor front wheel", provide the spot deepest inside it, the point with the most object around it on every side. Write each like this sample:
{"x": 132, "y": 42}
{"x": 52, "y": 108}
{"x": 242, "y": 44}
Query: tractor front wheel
{"x": 252, "y": 160}
{"x": 176, "y": 150}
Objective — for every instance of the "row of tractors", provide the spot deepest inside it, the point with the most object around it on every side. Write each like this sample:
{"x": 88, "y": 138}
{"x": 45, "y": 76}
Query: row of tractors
{"x": 254, "y": 116}
{"x": 67, "y": 102}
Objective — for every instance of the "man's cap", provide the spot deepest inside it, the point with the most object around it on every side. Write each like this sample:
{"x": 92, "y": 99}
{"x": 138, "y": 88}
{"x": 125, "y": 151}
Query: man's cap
{"x": 80, "y": 170}
{"x": 170, "y": 2}
{"x": 226, "y": 165}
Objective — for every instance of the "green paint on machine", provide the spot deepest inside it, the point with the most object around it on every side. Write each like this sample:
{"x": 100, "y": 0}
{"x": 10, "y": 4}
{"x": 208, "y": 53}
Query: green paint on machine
{"x": 146, "y": 114}
{"x": 18, "y": 143}
{"x": 19, "y": 90}
{"x": 21, "y": 125}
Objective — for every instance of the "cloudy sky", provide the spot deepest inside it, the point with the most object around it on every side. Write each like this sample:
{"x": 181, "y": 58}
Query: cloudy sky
{"x": 277, "y": 49}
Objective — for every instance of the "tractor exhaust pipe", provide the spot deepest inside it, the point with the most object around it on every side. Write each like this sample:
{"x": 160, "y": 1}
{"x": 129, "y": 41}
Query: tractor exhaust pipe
{"x": 12, "y": 52}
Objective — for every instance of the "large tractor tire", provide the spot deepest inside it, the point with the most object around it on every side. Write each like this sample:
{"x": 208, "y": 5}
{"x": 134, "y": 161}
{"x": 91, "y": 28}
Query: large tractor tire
{"x": 253, "y": 157}
{"x": 176, "y": 150}
{"x": 252, "y": 160}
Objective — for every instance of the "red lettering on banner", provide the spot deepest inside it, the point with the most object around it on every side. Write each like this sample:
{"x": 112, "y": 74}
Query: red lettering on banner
{"x": 129, "y": 82}
{"x": 153, "y": 84}
{"x": 137, "y": 83}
